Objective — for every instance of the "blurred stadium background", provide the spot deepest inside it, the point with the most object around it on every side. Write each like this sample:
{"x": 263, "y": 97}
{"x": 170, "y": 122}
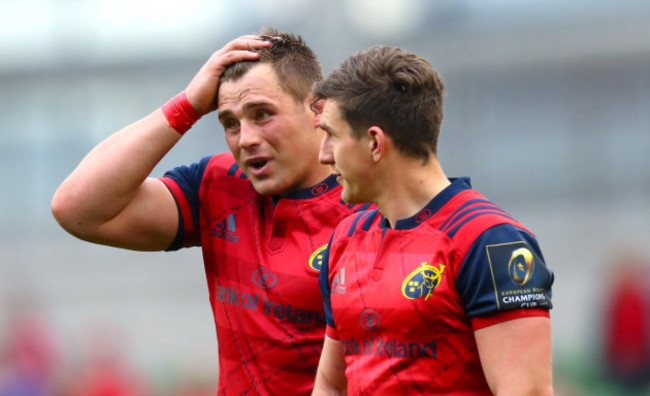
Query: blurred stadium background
{"x": 548, "y": 110}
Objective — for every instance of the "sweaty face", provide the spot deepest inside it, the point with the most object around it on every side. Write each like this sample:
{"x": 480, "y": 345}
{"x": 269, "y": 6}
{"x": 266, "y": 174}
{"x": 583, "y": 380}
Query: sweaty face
{"x": 349, "y": 157}
{"x": 272, "y": 137}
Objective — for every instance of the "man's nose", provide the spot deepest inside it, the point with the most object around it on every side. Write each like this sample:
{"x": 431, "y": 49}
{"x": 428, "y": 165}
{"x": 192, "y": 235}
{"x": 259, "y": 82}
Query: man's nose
{"x": 248, "y": 135}
{"x": 325, "y": 155}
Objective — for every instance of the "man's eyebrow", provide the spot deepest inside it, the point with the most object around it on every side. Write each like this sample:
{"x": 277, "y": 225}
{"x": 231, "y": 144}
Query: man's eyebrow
{"x": 247, "y": 107}
{"x": 224, "y": 114}
{"x": 254, "y": 104}
{"x": 324, "y": 126}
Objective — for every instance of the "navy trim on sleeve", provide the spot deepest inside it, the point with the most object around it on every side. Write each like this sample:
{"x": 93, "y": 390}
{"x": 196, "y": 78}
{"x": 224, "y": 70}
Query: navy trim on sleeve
{"x": 188, "y": 179}
{"x": 177, "y": 243}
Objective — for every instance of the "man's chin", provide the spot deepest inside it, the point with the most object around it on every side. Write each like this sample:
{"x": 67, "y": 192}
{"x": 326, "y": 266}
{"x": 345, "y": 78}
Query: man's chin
{"x": 350, "y": 198}
{"x": 267, "y": 187}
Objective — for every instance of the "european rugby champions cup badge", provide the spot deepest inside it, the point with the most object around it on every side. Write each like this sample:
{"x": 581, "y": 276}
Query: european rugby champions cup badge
{"x": 520, "y": 277}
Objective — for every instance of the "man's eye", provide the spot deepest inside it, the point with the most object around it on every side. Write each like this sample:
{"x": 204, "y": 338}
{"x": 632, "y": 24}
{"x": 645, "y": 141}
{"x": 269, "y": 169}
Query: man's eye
{"x": 262, "y": 114}
{"x": 231, "y": 124}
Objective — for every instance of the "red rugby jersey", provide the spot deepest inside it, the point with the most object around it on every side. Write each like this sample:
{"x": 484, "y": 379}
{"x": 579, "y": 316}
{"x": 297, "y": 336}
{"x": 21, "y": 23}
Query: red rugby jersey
{"x": 405, "y": 302}
{"x": 262, "y": 258}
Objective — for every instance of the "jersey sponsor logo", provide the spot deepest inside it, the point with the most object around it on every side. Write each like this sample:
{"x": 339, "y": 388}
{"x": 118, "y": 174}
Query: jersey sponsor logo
{"x": 264, "y": 278}
{"x": 226, "y": 229}
{"x": 520, "y": 278}
{"x": 316, "y": 258}
{"x": 369, "y": 319}
{"x": 257, "y": 303}
{"x": 423, "y": 281}
{"x": 319, "y": 189}
{"x": 338, "y": 286}
{"x": 389, "y": 348}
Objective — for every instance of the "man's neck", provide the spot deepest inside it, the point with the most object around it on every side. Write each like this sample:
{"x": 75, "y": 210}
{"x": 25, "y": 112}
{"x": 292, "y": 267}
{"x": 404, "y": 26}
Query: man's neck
{"x": 406, "y": 193}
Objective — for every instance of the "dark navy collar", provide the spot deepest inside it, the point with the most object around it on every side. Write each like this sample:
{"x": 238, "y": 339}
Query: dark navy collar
{"x": 458, "y": 184}
{"x": 310, "y": 192}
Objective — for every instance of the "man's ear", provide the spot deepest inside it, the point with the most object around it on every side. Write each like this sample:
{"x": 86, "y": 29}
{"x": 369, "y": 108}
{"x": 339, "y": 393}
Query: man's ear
{"x": 316, "y": 108}
{"x": 315, "y": 105}
{"x": 377, "y": 142}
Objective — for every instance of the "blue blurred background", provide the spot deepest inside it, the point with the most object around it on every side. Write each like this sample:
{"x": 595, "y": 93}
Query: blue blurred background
{"x": 548, "y": 110}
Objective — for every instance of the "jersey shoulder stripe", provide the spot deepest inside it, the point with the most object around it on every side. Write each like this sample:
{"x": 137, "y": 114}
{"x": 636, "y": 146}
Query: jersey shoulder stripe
{"x": 458, "y": 212}
{"x": 356, "y": 207}
{"x": 235, "y": 169}
{"x": 224, "y": 164}
{"x": 473, "y": 213}
{"x": 366, "y": 217}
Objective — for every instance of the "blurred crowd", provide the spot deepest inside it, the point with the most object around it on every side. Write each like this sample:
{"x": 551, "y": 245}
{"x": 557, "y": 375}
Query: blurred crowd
{"x": 35, "y": 362}
{"x": 625, "y": 330}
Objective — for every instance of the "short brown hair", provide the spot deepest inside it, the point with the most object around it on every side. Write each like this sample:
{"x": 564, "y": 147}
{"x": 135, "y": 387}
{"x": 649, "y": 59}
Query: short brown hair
{"x": 395, "y": 90}
{"x": 294, "y": 63}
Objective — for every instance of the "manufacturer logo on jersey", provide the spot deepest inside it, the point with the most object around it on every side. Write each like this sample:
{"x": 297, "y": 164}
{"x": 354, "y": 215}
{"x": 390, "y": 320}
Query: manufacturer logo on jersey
{"x": 319, "y": 189}
{"x": 423, "y": 281}
{"x": 226, "y": 229}
{"x": 521, "y": 266}
{"x": 316, "y": 259}
{"x": 264, "y": 278}
{"x": 369, "y": 319}
{"x": 338, "y": 286}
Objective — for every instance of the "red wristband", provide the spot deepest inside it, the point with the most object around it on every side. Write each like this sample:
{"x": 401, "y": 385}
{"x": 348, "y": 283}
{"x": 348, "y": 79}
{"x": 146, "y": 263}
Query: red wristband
{"x": 180, "y": 113}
